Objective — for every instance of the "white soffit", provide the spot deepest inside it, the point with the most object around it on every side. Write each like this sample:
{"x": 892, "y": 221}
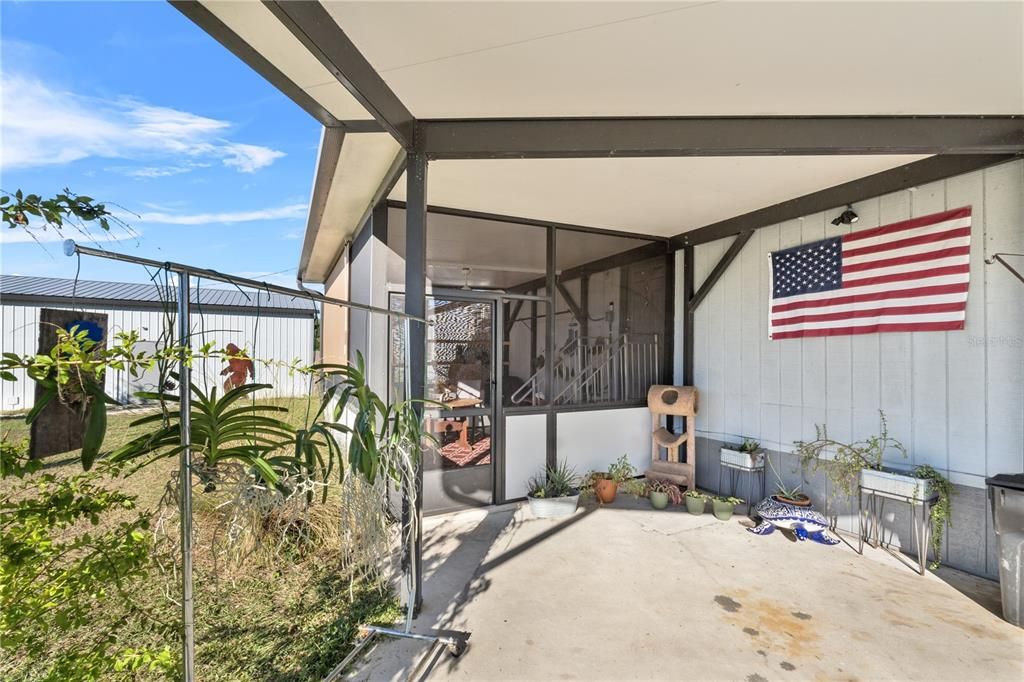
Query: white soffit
{"x": 521, "y": 59}
{"x": 657, "y": 196}
{"x": 258, "y": 27}
{"x": 364, "y": 159}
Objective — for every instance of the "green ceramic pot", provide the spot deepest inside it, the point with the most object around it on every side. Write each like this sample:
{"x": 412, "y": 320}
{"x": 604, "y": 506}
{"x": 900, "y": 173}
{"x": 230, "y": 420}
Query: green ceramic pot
{"x": 658, "y": 500}
{"x": 695, "y": 505}
{"x": 722, "y": 510}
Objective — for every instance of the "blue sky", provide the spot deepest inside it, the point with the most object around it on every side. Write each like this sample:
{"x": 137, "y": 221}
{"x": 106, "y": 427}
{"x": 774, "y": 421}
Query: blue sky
{"x": 131, "y": 103}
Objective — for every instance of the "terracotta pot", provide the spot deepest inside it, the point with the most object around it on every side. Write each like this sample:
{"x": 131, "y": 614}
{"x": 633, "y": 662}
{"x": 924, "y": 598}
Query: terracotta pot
{"x": 802, "y": 501}
{"x": 695, "y": 505}
{"x": 658, "y": 500}
{"x": 605, "y": 489}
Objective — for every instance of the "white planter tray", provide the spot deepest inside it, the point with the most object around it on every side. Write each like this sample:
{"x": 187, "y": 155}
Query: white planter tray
{"x": 746, "y": 460}
{"x": 897, "y": 484}
{"x": 553, "y": 507}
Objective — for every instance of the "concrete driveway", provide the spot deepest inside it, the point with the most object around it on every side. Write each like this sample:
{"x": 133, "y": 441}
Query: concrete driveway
{"x": 624, "y": 592}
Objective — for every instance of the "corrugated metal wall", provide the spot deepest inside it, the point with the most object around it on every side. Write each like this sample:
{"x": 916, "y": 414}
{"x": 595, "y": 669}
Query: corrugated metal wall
{"x": 956, "y": 399}
{"x": 278, "y": 337}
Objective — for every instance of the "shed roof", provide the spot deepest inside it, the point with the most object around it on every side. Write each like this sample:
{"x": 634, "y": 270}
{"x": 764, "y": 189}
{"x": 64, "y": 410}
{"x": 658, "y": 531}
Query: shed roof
{"x": 21, "y": 289}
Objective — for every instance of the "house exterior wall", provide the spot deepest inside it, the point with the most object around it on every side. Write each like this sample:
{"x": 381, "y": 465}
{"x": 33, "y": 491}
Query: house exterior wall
{"x": 278, "y": 337}
{"x": 335, "y": 319}
{"x": 955, "y": 399}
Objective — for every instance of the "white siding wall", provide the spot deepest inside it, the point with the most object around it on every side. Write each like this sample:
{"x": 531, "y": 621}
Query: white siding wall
{"x": 267, "y": 336}
{"x": 956, "y": 399}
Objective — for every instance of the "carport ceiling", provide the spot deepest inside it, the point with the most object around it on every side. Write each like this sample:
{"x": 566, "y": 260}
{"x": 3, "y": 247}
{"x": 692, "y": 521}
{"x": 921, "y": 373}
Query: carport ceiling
{"x": 536, "y": 59}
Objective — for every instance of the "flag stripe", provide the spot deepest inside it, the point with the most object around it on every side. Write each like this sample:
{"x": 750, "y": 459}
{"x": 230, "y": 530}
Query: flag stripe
{"x": 872, "y": 329}
{"x": 906, "y": 260}
{"x": 913, "y": 223}
{"x": 904, "y": 276}
{"x": 907, "y": 276}
{"x": 910, "y": 241}
{"x": 873, "y": 296}
{"x": 908, "y": 250}
{"x": 877, "y": 319}
{"x": 912, "y": 309}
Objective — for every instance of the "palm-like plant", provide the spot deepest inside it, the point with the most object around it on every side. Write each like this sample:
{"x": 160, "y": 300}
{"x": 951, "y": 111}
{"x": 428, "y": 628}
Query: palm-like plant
{"x": 221, "y": 430}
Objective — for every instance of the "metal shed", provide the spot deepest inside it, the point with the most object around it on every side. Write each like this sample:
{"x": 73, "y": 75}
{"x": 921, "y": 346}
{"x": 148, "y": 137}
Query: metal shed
{"x": 267, "y": 325}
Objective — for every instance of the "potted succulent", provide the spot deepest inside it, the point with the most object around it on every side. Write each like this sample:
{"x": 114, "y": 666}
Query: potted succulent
{"x": 859, "y": 465}
{"x": 695, "y": 501}
{"x": 722, "y": 507}
{"x": 787, "y": 494}
{"x": 555, "y": 493}
{"x": 606, "y": 483}
{"x": 660, "y": 493}
{"x": 748, "y": 454}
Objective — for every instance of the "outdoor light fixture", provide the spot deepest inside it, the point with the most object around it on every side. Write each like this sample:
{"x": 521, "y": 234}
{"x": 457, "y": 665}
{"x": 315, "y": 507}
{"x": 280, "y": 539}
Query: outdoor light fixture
{"x": 847, "y": 217}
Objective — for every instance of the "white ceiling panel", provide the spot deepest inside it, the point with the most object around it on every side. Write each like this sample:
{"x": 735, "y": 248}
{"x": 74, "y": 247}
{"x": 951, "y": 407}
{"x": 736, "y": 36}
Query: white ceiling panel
{"x": 657, "y": 196}
{"x": 513, "y": 59}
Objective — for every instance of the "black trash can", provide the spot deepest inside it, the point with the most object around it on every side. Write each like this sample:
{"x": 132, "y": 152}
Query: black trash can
{"x": 1006, "y": 495}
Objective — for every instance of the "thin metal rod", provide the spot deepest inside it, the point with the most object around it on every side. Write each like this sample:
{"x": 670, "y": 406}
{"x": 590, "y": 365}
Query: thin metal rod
{"x": 71, "y": 248}
{"x": 185, "y": 478}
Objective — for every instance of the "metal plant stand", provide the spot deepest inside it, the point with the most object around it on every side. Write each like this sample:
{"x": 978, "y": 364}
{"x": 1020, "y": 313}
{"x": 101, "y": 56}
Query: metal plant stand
{"x": 753, "y": 473}
{"x": 920, "y": 526}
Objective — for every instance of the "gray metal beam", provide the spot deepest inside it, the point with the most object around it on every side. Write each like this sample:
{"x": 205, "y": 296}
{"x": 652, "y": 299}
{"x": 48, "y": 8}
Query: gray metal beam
{"x": 311, "y": 23}
{"x": 723, "y": 264}
{"x": 574, "y": 308}
{"x": 219, "y": 31}
{"x": 719, "y": 136}
{"x": 885, "y": 182}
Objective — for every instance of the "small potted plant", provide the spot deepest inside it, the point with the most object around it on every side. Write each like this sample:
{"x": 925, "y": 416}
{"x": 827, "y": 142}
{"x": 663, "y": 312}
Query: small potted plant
{"x": 661, "y": 493}
{"x": 606, "y": 483}
{"x": 556, "y": 493}
{"x": 787, "y": 494}
{"x": 748, "y": 454}
{"x": 695, "y": 501}
{"x": 722, "y": 507}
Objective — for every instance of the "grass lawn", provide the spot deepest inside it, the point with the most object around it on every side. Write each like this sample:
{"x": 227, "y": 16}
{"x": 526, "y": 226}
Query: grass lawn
{"x": 290, "y": 619}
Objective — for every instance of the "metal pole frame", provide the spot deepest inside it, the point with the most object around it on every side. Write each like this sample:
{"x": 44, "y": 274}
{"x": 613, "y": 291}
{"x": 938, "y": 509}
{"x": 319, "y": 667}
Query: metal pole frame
{"x": 184, "y": 273}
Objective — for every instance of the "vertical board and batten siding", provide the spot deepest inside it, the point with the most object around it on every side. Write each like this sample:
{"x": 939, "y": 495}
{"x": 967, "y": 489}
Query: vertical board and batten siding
{"x": 283, "y": 338}
{"x": 956, "y": 399}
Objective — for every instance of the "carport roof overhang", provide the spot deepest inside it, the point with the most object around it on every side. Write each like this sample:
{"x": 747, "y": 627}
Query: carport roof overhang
{"x": 687, "y": 120}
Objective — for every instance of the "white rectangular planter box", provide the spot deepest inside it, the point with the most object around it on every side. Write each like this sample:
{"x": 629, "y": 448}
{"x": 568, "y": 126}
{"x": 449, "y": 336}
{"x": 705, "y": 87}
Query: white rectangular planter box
{"x": 553, "y": 507}
{"x": 747, "y": 460}
{"x": 902, "y": 485}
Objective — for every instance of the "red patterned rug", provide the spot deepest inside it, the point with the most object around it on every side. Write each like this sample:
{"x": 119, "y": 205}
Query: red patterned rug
{"x": 457, "y": 455}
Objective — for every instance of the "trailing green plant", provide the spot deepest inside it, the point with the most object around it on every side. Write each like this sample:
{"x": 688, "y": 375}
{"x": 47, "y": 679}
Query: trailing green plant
{"x": 843, "y": 467}
{"x": 55, "y": 576}
{"x": 696, "y": 494}
{"x": 221, "y": 430}
{"x": 559, "y": 480}
{"x": 17, "y": 209}
{"x": 727, "y": 499}
{"x": 941, "y": 511}
{"x": 657, "y": 485}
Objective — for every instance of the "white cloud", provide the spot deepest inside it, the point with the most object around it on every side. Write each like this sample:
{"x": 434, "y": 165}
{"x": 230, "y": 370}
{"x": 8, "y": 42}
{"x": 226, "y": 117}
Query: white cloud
{"x": 43, "y": 126}
{"x": 290, "y": 211}
{"x": 292, "y": 235}
{"x": 249, "y": 158}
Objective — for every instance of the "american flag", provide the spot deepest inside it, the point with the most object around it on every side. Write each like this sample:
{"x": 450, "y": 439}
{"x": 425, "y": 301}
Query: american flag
{"x": 904, "y": 277}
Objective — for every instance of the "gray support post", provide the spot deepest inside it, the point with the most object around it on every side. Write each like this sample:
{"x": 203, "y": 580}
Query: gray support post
{"x": 185, "y": 477}
{"x": 549, "y": 351}
{"x": 416, "y": 304}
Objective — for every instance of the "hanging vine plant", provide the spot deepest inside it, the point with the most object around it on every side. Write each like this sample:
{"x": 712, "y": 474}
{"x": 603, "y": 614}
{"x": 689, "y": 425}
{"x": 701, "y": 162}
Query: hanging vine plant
{"x": 941, "y": 511}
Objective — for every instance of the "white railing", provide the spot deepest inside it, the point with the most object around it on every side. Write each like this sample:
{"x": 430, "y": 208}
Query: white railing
{"x": 596, "y": 371}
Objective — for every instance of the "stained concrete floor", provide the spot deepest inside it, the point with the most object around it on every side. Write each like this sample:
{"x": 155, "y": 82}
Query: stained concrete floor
{"x": 624, "y": 592}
